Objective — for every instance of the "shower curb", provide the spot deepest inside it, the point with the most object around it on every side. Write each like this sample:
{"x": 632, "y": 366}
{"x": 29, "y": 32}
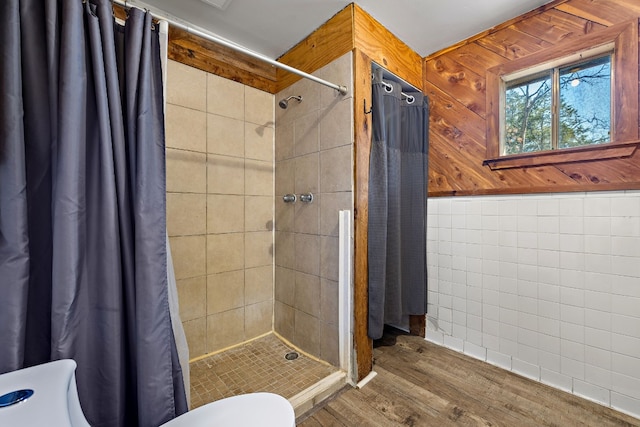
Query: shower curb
{"x": 307, "y": 399}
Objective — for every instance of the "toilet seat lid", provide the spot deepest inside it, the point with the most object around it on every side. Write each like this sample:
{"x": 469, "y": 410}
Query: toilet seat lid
{"x": 250, "y": 410}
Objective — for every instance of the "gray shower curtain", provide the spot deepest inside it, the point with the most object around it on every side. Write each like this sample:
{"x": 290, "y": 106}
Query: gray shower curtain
{"x": 83, "y": 271}
{"x": 397, "y": 242}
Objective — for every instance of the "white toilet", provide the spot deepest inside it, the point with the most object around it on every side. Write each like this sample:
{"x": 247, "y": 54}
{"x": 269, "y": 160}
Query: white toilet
{"x": 47, "y": 395}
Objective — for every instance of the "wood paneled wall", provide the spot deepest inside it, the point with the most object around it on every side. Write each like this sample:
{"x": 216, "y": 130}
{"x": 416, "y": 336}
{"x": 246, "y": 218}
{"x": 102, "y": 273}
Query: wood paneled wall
{"x": 372, "y": 43}
{"x": 454, "y": 80}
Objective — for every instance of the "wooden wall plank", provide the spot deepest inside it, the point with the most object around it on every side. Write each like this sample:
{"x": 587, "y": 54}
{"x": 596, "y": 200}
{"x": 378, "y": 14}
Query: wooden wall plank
{"x": 604, "y": 12}
{"x": 330, "y": 41}
{"x": 512, "y": 44}
{"x": 362, "y": 149}
{"x": 552, "y": 4}
{"x": 372, "y": 42}
{"x": 385, "y": 49}
{"x": 215, "y": 59}
{"x": 555, "y": 26}
{"x": 475, "y": 57}
{"x": 463, "y": 84}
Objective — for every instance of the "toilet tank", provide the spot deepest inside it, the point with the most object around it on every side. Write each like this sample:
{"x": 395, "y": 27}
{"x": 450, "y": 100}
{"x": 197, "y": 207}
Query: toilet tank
{"x": 42, "y": 395}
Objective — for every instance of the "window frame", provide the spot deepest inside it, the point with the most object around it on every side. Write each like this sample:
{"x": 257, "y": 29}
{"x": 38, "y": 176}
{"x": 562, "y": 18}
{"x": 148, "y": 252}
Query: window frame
{"x": 624, "y": 127}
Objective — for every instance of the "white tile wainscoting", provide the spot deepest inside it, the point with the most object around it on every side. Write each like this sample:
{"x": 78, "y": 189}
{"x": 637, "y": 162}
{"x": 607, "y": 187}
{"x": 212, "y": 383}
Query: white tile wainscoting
{"x": 546, "y": 286}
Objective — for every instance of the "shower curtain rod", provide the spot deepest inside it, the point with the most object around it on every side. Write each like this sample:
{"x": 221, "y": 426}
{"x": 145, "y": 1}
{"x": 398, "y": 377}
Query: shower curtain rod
{"x": 211, "y": 37}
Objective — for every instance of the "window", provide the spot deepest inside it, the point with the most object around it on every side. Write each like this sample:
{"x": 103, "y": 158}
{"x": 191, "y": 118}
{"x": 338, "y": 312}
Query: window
{"x": 565, "y": 103}
{"x": 563, "y": 107}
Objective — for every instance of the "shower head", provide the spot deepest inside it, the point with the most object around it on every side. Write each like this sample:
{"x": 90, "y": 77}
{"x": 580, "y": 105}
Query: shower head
{"x": 284, "y": 103}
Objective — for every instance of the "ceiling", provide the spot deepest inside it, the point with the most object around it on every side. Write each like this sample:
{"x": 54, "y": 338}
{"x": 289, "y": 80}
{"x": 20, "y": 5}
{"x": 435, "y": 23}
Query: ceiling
{"x": 272, "y": 27}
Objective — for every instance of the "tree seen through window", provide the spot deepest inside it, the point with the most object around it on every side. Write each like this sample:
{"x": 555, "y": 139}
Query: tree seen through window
{"x": 582, "y": 100}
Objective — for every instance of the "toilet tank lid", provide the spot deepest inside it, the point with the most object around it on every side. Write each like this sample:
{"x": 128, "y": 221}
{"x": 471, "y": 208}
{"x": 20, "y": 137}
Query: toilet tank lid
{"x": 49, "y": 403}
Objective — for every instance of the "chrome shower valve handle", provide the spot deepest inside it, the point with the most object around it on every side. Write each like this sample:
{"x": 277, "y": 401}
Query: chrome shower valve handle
{"x": 306, "y": 198}
{"x": 289, "y": 198}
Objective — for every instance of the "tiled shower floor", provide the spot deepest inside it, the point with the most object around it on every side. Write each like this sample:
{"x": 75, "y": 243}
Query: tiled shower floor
{"x": 259, "y": 365}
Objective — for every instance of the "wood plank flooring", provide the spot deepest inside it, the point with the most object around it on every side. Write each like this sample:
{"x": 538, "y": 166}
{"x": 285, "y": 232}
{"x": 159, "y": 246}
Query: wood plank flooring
{"x": 422, "y": 384}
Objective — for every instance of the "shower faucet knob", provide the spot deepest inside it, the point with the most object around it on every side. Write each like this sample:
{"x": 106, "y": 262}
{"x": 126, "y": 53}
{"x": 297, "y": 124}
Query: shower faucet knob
{"x": 306, "y": 198}
{"x": 289, "y": 198}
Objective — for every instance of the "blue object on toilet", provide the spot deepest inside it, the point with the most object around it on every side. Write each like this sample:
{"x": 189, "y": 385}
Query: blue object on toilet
{"x": 43, "y": 395}
{"x": 15, "y": 397}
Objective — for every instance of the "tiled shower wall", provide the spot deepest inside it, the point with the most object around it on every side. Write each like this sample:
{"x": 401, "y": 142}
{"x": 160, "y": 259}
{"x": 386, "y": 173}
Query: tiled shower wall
{"x": 314, "y": 145}
{"x": 547, "y": 286}
{"x": 220, "y": 139}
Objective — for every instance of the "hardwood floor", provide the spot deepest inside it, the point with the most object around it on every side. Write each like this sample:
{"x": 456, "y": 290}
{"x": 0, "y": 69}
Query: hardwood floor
{"x": 422, "y": 384}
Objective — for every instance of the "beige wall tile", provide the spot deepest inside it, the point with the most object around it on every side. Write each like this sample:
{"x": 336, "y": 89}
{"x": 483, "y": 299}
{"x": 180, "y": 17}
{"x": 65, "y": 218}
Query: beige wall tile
{"x": 284, "y": 214}
{"x": 186, "y": 128}
{"x": 258, "y": 106}
{"x": 225, "y": 291}
{"x": 225, "y": 329}
{"x": 285, "y": 177}
{"x": 258, "y": 213}
{"x": 336, "y": 170}
{"x": 306, "y": 174}
{"x": 330, "y": 344}
{"x": 258, "y": 142}
{"x": 225, "y": 97}
{"x": 285, "y": 285}
{"x": 306, "y": 134}
{"x": 284, "y": 317}
{"x": 329, "y": 301}
{"x": 308, "y": 90}
{"x": 336, "y": 127}
{"x": 329, "y": 247}
{"x": 258, "y": 284}
{"x": 186, "y": 86}
{"x": 307, "y": 253}
{"x": 186, "y": 171}
{"x": 225, "y": 175}
{"x": 284, "y": 141}
{"x": 186, "y": 214}
{"x": 308, "y": 294}
{"x": 258, "y": 178}
{"x": 188, "y": 253}
{"x": 330, "y": 206}
{"x": 225, "y": 252}
{"x": 225, "y": 213}
{"x": 339, "y": 71}
{"x": 307, "y": 216}
{"x": 285, "y": 249}
{"x": 258, "y": 319}
{"x": 307, "y": 333}
{"x": 196, "y": 333}
{"x": 225, "y": 136}
{"x": 258, "y": 249}
{"x": 192, "y": 295}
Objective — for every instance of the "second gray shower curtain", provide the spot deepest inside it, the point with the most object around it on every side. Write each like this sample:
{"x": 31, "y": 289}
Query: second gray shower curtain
{"x": 397, "y": 206}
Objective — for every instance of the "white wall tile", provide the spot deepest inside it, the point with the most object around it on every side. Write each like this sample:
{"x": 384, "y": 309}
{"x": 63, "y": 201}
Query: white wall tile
{"x": 525, "y": 369}
{"x": 625, "y": 226}
{"x": 597, "y": 226}
{"x": 544, "y": 285}
{"x": 556, "y": 379}
{"x": 625, "y": 404}
{"x": 625, "y": 266}
{"x": 499, "y": 359}
{"x": 475, "y": 351}
{"x": 625, "y": 385}
{"x": 626, "y": 325}
{"x": 453, "y": 343}
{"x": 625, "y": 246}
{"x": 592, "y": 392}
{"x": 597, "y": 206}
